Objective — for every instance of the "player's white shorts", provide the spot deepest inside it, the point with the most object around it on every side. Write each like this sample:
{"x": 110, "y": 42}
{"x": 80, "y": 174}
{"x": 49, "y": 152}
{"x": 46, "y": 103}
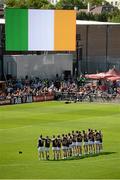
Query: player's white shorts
{"x": 47, "y": 149}
{"x": 70, "y": 146}
{"x": 54, "y": 148}
{"x": 90, "y": 142}
{"x": 73, "y": 144}
{"x": 41, "y": 149}
{"x": 85, "y": 143}
{"x": 97, "y": 142}
{"x": 78, "y": 143}
{"x": 58, "y": 148}
{"x": 64, "y": 148}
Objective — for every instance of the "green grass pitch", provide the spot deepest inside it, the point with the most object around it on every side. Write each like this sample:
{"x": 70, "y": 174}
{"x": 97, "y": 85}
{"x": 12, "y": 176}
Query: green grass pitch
{"x": 21, "y": 125}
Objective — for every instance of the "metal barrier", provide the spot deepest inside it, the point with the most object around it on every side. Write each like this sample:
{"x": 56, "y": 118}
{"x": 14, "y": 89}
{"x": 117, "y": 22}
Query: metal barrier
{"x": 64, "y": 96}
{"x": 87, "y": 97}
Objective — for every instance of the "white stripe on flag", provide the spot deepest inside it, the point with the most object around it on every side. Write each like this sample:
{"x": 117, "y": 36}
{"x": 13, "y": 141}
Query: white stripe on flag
{"x": 40, "y": 29}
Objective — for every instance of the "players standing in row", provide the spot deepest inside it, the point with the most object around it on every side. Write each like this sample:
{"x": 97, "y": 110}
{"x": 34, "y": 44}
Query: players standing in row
{"x": 71, "y": 144}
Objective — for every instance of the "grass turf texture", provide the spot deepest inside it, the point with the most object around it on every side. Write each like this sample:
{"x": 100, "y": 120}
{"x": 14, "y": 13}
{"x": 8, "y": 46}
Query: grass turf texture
{"x": 20, "y": 126}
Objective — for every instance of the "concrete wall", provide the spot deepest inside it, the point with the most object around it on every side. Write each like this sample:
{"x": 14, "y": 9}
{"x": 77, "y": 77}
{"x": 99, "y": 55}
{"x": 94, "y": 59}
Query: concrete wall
{"x": 0, "y": 70}
{"x": 0, "y": 51}
{"x": 43, "y": 66}
{"x": 101, "y": 47}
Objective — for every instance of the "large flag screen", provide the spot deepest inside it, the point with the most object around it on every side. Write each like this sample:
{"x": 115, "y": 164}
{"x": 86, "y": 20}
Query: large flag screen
{"x": 40, "y": 30}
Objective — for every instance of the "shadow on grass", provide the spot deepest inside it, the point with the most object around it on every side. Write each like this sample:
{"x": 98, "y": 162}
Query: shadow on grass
{"x": 85, "y": 156}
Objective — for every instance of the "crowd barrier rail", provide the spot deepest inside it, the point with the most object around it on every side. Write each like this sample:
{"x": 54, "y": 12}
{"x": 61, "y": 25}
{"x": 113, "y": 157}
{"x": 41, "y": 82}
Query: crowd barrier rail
{"x": 63, "y": 96}
{"x": 87, "y": 97}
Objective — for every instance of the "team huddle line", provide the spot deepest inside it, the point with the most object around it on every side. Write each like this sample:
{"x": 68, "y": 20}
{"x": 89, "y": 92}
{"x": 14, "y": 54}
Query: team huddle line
{"x": 76, "y": 143}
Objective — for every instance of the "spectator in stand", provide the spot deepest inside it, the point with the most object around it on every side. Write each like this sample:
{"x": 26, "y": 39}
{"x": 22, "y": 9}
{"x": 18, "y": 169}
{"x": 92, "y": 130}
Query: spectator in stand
{"x": 26, "y": 88}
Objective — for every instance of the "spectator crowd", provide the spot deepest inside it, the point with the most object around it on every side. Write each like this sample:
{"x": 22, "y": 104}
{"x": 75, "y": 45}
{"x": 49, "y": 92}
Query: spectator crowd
{"x": 21, "y": 91}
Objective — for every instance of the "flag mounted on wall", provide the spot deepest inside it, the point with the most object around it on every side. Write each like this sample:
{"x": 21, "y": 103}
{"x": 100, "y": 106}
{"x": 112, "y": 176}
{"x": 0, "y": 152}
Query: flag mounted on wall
{"x": 40, "y": 30}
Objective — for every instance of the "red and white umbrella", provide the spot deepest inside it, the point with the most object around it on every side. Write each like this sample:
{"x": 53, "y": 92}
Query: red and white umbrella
{"x": 112, "y": 73}
{"x": 97, "y": 76}
{"x": 113, "y": 78}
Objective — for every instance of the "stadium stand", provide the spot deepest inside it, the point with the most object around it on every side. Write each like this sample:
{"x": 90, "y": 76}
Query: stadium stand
{"x": 80, "y": 90}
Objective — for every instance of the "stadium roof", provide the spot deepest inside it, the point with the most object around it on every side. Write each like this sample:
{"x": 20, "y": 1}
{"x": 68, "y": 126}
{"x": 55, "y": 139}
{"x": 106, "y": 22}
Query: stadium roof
{"x": 81, "y": 22}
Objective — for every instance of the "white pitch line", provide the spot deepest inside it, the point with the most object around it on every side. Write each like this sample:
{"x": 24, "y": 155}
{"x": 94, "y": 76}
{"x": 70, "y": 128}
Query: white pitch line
{"x": 58, "y": 162}
{"x": 15, "y": 128}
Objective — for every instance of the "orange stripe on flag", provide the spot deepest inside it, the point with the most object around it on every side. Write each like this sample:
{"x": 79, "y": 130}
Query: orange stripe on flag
{"x": 64, "y": 30}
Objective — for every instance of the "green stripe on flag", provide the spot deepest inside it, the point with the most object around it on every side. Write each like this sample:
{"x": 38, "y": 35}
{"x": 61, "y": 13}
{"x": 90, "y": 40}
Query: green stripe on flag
{"x": 16, "y": 29}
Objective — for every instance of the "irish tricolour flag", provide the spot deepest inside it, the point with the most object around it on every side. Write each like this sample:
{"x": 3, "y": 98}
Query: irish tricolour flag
{"x": 40, "y": 30}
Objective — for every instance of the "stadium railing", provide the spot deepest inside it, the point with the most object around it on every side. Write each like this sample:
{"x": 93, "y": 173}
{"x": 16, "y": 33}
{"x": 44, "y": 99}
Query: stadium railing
{"x": 63, "y": 96}
{"x": 87, "y": 97}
